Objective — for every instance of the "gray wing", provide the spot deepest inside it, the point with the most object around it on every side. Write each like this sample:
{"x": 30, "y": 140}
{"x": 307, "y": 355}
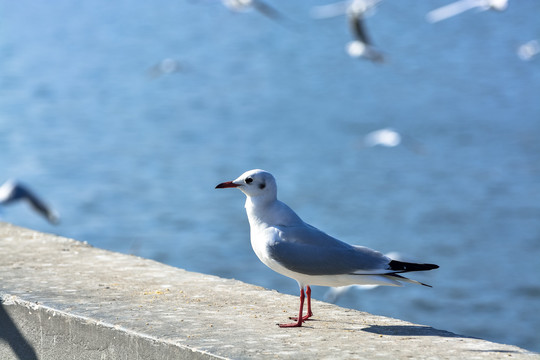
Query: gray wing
{"x": 273, "y": 14}
{"x": 21, "y": 192}
{"x": 307, "y": 250}
{"x": 267, "y": 10}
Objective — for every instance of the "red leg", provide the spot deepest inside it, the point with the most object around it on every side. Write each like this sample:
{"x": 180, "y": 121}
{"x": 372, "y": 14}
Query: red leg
{"x": 298, "y": 323}
{"x": 309, "y": 313}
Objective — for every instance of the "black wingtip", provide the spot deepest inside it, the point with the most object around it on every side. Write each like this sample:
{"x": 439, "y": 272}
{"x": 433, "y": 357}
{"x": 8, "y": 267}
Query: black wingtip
{"x": 406, "y": 266}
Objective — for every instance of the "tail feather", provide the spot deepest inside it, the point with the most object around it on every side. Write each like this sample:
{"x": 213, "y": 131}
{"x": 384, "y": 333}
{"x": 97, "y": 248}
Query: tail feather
{"x": 404, "y": 279}
{"x": 401, "y": 266}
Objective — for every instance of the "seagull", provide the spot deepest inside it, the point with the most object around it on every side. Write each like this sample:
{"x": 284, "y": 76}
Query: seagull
{"x": 356, "y": 11}
{"x": 361, "y": 46}
{"x": 529, "y": 50}
{"x": 291, "y": 247}
{"x": 385, "y": 137}
{"x": 389, "y": 137}
{"x": 166, "y": 66}
{"x": 12, "y": 191}
{"x": 461, "y": 6}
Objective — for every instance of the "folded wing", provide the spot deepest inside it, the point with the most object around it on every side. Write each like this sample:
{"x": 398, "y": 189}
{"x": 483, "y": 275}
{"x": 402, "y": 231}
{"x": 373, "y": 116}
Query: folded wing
{"x": 322, "y": 254}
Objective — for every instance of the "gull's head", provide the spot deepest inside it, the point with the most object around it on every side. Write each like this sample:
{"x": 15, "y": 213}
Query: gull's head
{"x": 253, "y": 183}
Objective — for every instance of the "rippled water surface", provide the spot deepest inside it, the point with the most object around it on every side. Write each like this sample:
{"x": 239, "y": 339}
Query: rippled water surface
{"x": 130, "y": 159}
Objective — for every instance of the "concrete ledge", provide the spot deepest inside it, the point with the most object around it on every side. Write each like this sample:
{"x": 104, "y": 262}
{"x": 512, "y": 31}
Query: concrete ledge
{"x": 63, "y": 299}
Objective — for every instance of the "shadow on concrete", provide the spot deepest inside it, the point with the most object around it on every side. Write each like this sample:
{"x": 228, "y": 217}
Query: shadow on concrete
{"x": 410, "y": 330}
{"x": 509, "y": 352}
{"x": 10, "y": 334}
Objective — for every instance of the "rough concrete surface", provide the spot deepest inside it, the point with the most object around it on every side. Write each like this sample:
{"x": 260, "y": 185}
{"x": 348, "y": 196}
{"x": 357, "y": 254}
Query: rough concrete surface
{"x": 63, "y": 299}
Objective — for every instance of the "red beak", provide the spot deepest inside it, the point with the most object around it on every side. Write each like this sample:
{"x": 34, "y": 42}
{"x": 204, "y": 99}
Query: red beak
{"x": 228, "y": 184}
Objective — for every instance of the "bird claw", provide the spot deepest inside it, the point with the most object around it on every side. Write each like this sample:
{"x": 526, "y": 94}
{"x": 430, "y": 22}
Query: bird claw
{"x": 304, "y": 318}
{"x": 296, "y": 324}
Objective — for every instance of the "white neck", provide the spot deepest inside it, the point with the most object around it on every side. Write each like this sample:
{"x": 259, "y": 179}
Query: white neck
{"x": 269, "y": 211}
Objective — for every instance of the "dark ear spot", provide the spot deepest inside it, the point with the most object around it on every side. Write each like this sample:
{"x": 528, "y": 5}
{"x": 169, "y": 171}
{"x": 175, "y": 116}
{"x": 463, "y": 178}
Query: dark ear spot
{"x": 262, "y": 186}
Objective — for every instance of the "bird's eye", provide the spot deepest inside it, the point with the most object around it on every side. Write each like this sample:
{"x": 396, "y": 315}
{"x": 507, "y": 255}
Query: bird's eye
{"x": 249, "y": 180}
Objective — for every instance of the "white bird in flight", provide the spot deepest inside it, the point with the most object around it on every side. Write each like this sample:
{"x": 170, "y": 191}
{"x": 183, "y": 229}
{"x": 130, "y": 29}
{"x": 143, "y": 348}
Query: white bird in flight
{"x": 361, "y": 46}
{"x": 12, "y": 191}
{"x": 166, "y": 66}
{"x": 356, "y": 11}
{"x": 384, "y": 137}
{"x": 291, "y": 247}
{"x": 529, "y": 50}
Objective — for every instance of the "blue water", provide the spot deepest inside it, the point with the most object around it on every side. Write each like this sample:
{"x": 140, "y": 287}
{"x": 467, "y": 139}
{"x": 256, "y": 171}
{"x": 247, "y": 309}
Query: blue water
{"x": 130, "y": 161}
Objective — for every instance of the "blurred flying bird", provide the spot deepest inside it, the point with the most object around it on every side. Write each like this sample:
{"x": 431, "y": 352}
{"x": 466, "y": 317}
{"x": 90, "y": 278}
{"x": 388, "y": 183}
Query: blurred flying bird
{"x": 529, "y": 50}
{"x": 12, "y": 191}
{"x": 356, "y": 11}
{"x": 362, "y": 45}
{"x": 166, "y": 66}
{"x": 389, "y": 137}
{"x": 384, "y": 137}
{"x": 461, "y": 6}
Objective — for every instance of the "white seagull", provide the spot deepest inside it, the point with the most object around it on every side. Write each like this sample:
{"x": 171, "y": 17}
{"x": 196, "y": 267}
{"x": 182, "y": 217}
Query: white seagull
{"x": 384, "y": 137}
{"x": 361, "y": 46}
{"x": 529, "y": 50}
{"x": 166, "y": 66}
{"x": 291, "y": 247}
{"x": 12, "y": 191}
